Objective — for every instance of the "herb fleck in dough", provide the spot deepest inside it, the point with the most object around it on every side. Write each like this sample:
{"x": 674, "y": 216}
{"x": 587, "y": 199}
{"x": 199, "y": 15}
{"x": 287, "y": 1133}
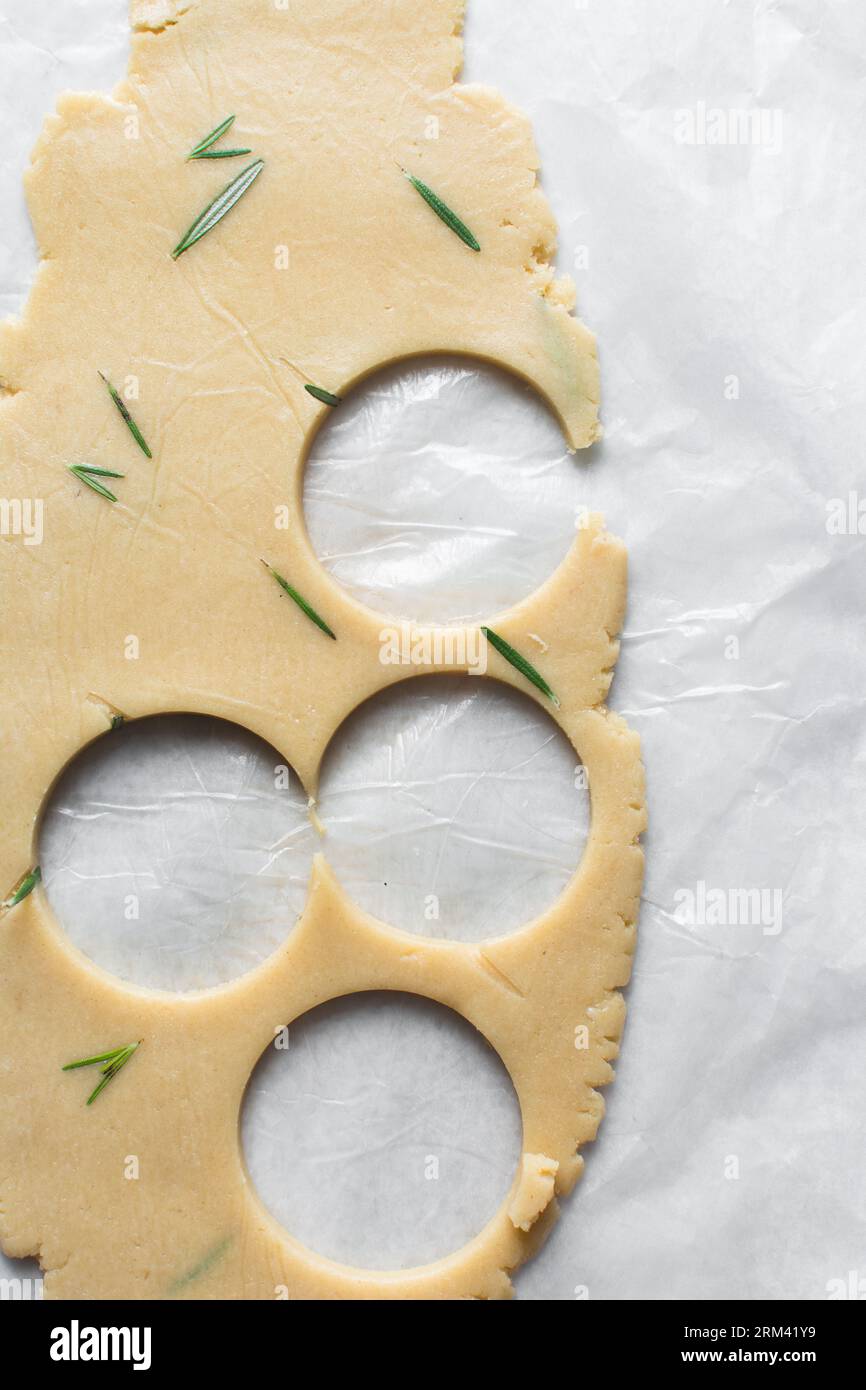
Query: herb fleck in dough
{"x": 330, "y": 262}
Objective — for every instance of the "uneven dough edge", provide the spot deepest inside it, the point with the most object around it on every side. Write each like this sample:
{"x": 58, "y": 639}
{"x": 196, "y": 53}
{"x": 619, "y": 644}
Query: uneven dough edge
{"x": 580, "y": 609}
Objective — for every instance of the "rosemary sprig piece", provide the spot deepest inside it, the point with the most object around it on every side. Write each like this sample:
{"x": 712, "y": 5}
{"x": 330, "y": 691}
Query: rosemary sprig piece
{"x": 25, "y": 887}
{"x": 326, "y": 397}
{"x": 117, "y": 722}
{"x": 219, "y": 154}
{"x": 216, "y": 211}
{"x": 211, "y": 139}
{"x": 131, "y": 425}
{"x": 112, "y": 1062}
{"x": 519, "y": 663}
{"x": 442, "y": 210}
{"x": 205, "y": 1264}
{"x": 301, "y": 602}
{"x": 88, "y": 473}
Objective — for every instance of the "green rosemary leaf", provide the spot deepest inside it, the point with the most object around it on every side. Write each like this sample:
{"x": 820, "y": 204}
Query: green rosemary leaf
{"x": 205, "y": 1263}
{"x": 109, "y": 1072}
{"x": 217, "y": 210}
{"x": 107, "y": 1057}
{"x": 219, "y": 154}
{"x": 89, "y": 476}
{"x": 211, "y": 139}
{"x": 301, "y": 602}
{"x": 25, "y": 887}
{"x": 442, "y": 210}
{"x": 111, "y": 1063}
{"x": 324, "y": 396}
{"x": 519, "y": 663}
{"x": 131, "y": 425}
{"x": 117, "y": 720}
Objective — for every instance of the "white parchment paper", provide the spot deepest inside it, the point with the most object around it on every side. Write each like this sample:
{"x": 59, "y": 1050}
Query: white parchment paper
{"x": 704, "y": 158}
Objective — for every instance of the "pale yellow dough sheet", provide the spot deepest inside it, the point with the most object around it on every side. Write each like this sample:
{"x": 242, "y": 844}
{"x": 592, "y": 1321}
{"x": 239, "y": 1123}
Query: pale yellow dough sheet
{"x": 328, "y": 268}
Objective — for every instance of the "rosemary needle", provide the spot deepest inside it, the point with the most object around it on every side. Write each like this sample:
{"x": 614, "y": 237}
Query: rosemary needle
{"x": 301, "y": 602}
{"x": 89, "y": 474}
{"x": 25, "y": 887}
{"x": 443, "y": 211}
{"x": 219, "y": 154}
{"x": 519, "y": 663}
{"x": 216, "y": 211}
{"x": 112, "y": 1062}
{"x": 326, "y": 397}
{"x": 205, "y": 1263}
{"x": 132, "y": 426}
{"x": 211, "y": 139}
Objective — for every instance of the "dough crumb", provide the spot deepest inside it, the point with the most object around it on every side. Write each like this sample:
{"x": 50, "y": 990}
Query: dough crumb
{"x": 535, "y": 1191}
{"x": 315, "y": 818}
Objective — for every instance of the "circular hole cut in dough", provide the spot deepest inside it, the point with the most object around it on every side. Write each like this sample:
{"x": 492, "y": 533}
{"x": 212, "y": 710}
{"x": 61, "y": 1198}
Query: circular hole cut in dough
{"x": 176, "y": 851}
{"x": 453, "y": 807}
{"x": 385, "y": 1135}
{"x": 441, "y": 490}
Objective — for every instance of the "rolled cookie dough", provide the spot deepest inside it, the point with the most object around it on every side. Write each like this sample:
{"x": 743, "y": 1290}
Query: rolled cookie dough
{"x": 329, "y": 267}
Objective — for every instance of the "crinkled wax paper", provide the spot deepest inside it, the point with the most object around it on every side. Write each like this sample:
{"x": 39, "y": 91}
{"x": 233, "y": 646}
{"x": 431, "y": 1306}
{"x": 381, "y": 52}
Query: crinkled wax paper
{"x": 704, "y": 159}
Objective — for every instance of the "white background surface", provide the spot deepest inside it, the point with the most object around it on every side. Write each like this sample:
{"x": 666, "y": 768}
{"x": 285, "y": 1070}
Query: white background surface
{"x": 726, "y": 284}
